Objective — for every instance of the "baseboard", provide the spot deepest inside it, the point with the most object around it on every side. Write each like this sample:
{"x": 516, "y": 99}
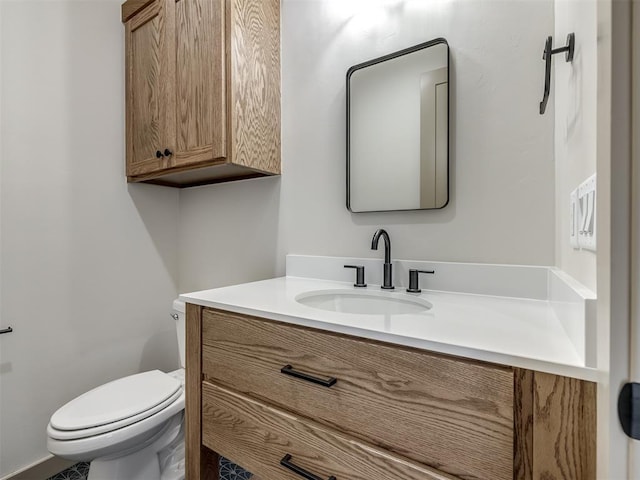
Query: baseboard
{"x": 40, "y": 470}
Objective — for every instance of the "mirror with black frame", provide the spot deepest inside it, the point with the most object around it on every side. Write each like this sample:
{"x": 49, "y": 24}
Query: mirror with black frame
{"x": 398, "y": 130}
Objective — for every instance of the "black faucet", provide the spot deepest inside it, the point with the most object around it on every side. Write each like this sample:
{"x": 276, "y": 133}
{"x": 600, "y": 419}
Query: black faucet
{"x": 387, "y": 278}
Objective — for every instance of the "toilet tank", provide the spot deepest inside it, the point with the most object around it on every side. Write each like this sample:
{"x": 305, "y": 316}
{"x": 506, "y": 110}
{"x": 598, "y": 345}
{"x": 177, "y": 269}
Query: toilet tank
{"x": 179, "y": 316}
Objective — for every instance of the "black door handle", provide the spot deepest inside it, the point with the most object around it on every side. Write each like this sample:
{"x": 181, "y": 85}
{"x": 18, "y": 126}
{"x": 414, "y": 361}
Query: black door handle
{"x": 167, "y": 152}
{"x": 285, "y": 462}
{"x": 159, "y": 154}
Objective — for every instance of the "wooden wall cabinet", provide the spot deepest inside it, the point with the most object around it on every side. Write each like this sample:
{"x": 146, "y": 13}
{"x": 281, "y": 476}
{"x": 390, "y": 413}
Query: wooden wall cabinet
{"x": 202, "y": 90}
{"x": 393, "y": 412}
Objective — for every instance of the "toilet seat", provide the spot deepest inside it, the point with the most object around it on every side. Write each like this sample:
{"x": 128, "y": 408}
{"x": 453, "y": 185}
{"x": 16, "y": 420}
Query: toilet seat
{"x": 90, "y": 432}
{"x": 115, "y": 441}
{"x": 115, "y": 405}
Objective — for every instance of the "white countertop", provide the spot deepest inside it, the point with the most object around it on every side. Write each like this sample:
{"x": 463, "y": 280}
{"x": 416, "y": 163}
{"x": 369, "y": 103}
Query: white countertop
{"x": 519, "y": 332}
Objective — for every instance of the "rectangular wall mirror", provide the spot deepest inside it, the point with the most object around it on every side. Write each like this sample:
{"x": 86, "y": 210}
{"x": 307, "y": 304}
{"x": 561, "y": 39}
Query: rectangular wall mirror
{"x": 398, "y": 130}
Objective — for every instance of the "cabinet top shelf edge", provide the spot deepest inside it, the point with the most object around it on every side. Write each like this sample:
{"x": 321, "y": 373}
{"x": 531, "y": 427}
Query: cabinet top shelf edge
{"x": 131, "y": 7}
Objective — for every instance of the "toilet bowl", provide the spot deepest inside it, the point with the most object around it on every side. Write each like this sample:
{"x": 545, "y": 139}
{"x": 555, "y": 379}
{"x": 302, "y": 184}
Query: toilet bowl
{"x": 130, "y": 428}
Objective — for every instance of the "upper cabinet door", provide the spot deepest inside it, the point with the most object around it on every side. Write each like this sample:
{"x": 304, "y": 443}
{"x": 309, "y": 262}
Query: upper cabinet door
{"x": 200, "y": 82}
{"x": 203, "y": 90}
{"x": 147, "y": 73}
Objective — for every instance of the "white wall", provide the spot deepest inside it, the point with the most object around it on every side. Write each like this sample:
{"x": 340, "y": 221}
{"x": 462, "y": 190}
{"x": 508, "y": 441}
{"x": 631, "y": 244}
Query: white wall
{"x": 228, "y": 233}
{"x": 89, "y": 264}
{"x": 502, "y": 170}
{"x": 576, "y": 88}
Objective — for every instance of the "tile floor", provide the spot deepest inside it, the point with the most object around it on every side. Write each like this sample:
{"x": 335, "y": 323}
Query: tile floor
{"x": 231, "y": 471}
{"x": 228, "y": 471}
{"x": 79, "y": 471}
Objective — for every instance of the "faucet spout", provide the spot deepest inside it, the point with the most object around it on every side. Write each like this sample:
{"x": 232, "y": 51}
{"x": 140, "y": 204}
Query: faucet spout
{"x": 387, "y": 243}
{"x": 387, "y": 282}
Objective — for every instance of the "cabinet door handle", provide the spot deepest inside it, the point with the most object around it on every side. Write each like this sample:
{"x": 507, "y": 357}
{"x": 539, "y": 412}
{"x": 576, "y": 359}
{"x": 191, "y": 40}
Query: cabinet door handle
{"x": 159, "y": 154}
{"x": 285, "y": 462}
{"x": 167, "y": 152}
{"x": 288, "y": 370}
{"x": 6, "y": 330}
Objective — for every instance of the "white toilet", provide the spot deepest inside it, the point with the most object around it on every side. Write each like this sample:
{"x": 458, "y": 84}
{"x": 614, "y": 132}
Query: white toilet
{"x": 129, "y": 429}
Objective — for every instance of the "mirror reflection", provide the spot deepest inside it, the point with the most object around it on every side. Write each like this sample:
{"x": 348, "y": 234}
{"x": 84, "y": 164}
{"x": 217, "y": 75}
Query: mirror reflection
{"x": 398, "y": 130}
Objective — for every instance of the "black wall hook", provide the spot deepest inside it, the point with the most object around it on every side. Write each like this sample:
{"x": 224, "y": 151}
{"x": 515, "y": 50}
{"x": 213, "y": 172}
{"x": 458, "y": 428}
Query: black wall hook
{"x": 548, "y": 53}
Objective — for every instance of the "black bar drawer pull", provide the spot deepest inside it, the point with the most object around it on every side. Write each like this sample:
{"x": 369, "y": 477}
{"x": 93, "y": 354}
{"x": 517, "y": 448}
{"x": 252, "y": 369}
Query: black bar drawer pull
{"x": 285, "y": 462}
{"x": 288, "y": 370}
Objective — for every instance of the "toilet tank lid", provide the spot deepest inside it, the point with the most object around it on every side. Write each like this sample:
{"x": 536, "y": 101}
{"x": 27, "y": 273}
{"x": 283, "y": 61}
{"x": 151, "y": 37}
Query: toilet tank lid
{"x": 178, "y": 306}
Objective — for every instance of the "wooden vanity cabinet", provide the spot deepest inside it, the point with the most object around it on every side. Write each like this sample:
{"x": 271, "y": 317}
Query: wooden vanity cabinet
{"x": 261, "y": 393}
{"x": 202, "y": 90}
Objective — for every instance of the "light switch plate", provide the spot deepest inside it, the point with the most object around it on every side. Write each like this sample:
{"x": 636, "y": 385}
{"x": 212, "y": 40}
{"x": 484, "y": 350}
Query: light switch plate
{"x": 574, "y": 214}
{"x": 586, "y": 218}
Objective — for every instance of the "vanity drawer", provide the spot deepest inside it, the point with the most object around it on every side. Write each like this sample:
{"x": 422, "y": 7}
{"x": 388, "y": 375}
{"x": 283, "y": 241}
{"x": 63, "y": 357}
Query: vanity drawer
{"x": 259, "y": 437}
{"x": 451, "y": 414}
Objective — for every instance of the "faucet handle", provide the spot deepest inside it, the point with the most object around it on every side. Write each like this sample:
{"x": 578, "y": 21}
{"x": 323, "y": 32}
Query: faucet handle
{"x": 359, "y": 275}
{"x": 413, "y": 280}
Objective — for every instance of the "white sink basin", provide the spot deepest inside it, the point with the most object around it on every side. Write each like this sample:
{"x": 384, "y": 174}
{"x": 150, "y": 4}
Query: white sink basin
{"x": 365, "y": 302}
